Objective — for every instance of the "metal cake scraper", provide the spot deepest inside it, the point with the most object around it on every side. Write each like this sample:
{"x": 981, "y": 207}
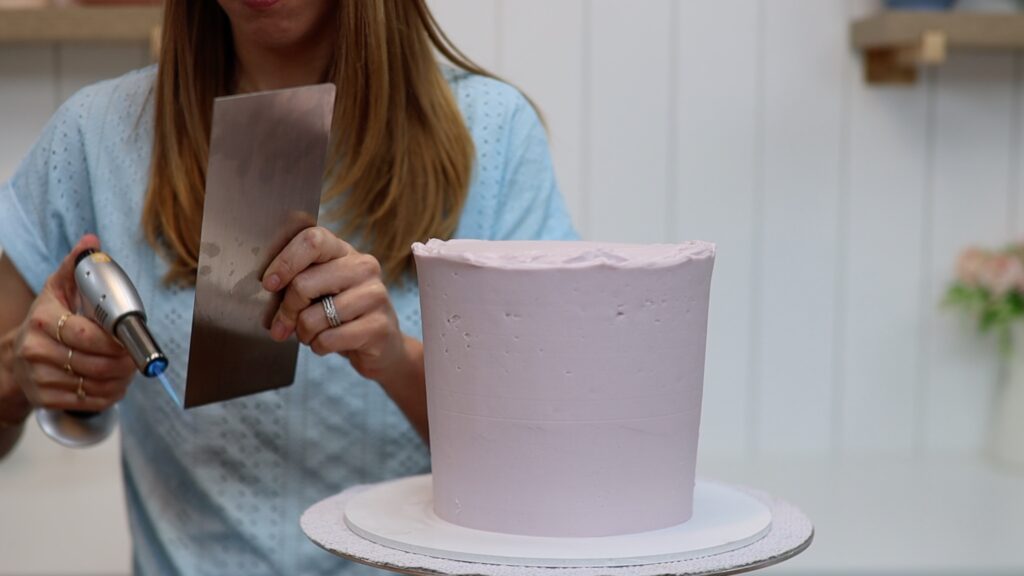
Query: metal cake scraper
{"x": 263, "y": 184}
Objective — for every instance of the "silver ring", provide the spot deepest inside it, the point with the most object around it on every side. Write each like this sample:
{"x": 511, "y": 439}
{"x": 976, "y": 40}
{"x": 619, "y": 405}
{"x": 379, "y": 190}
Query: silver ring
{"x": 330, "y": 311}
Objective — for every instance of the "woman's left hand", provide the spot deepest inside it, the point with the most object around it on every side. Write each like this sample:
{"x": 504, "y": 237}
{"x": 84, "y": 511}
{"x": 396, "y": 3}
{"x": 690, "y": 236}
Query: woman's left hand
{"x": 317, "y": 264}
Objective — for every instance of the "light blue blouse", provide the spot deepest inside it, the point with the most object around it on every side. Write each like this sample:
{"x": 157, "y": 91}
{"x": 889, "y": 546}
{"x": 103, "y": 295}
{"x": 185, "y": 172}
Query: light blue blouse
{"x": 219, "y": 489}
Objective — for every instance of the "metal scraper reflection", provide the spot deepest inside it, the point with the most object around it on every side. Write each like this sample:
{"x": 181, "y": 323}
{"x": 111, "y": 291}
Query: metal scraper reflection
{"x": 263, "y": 182}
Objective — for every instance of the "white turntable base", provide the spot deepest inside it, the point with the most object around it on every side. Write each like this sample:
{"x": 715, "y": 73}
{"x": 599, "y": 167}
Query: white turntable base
{"x": 392, "y": 526}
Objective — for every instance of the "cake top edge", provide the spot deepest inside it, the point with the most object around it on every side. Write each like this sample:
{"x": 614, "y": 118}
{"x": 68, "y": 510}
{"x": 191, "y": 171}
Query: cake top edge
{"x": 540, "y": 254}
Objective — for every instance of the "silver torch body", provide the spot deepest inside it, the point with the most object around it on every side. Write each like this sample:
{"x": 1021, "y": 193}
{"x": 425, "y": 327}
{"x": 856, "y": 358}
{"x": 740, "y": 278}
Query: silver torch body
{"x": 110, "y": 299}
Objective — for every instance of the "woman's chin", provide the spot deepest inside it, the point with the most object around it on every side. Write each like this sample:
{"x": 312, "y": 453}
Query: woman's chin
{"x": 259, "y": 4}
{"x": 276, "y": 24}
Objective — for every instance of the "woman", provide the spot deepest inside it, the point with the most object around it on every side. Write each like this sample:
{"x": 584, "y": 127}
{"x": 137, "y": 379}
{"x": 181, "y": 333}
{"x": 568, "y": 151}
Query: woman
{"x": 419, "y": 151}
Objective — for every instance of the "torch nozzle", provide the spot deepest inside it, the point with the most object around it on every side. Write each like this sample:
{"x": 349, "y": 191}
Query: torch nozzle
{"x": 132, "y": 333}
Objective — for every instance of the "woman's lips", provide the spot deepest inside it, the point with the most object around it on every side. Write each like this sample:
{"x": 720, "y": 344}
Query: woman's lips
{"x": 259, "y": 4}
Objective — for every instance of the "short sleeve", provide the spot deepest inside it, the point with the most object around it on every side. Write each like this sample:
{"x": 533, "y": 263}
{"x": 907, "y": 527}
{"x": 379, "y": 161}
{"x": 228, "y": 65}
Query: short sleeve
{"x": 46, "y": 205}
{"x": 530, "y": 205}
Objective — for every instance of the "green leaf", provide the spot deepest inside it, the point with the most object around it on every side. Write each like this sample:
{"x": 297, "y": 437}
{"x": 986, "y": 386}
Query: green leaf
{"x": 969, "y": 297}
{"x": 988, "y": 318}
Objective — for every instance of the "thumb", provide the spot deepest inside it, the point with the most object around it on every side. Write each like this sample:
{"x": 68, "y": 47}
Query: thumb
{"x": 62, "y": 282}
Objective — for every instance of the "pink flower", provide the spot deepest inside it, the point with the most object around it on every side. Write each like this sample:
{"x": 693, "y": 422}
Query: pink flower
{"x": 970, "y": 265}
{"x": 1001, "y": 273}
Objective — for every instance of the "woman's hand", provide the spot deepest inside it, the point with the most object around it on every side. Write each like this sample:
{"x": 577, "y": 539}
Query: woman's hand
{"x": 83, "y": 368}
{"x": 317, "y": 264}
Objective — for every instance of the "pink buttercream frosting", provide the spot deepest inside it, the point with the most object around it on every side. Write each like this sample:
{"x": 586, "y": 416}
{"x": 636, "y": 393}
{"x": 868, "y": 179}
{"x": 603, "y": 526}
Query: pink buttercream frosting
{"x": 564, "y": 382}
{"x": 527, "y": 254}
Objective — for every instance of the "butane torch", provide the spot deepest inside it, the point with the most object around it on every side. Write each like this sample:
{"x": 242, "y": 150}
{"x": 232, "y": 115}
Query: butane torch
{"x": 110, "y": 299}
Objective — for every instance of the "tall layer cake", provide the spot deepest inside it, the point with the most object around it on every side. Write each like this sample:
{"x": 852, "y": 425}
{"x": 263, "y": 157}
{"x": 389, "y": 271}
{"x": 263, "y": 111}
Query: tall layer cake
{"x": 564, "y": 382}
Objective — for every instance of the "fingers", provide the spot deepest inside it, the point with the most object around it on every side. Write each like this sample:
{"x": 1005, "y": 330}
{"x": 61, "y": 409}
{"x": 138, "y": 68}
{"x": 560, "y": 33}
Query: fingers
{"x": 78, "y": 332}
{"x": 56, "y": 399}
{"x": 85, "y": 335}
{"x": 314, "y": 245}
{"x": 350, "y": 304}
{"x": 56, "y": 380}
{"x": 316, "y": 263}
{"x": 55, "y": 389}
{"x": 305, "y": 290}
{"x": 57, "y": 300}
{"x": 41, "y": 368}
{"x": 42, "y": 350}
{"x": 354, "y": 335}
{"x": 95, "y": 375}
{"x": 62, "y": 282}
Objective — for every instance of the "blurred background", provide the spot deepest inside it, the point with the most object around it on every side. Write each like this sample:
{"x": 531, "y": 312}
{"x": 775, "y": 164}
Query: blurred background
{"x": 835, "y": 376}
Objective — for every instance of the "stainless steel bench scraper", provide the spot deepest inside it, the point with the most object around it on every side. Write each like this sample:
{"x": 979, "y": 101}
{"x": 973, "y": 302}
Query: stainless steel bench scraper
{"x": 263, "y": 184}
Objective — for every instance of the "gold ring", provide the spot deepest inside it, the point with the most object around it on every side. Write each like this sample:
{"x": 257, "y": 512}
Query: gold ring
{"x": 67, "y": 364}
{"x": 81, "y": 388}
{"x": 60, "y": 325}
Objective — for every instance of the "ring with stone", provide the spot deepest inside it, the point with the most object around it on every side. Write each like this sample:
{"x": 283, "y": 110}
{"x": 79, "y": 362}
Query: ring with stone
{"x": 330, "y": 311}
{"x": 67, "y": 363}
{"x": 81, "y": 388}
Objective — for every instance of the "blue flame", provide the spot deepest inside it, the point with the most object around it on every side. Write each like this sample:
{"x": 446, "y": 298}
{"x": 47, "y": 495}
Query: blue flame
{"x": 169, "y": 389}
{"x": 156, "y": 369}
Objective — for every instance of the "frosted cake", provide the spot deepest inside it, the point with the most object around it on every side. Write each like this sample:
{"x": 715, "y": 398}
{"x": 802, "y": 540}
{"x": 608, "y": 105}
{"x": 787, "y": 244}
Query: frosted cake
{"x": 564, "y": 382}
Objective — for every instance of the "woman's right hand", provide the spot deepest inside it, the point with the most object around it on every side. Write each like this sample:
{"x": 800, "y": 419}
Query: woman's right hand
{"x": 100, "y": 368}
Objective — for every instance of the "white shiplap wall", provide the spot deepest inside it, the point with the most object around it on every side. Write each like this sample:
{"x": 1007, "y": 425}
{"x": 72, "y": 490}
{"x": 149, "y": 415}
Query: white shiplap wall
{"x": 837, "y": 207}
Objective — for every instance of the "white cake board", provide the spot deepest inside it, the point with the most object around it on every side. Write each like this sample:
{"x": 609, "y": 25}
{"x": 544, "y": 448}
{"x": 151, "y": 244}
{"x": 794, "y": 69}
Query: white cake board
{"x": 400, "y": 514}
{"x": 433, "y": 546}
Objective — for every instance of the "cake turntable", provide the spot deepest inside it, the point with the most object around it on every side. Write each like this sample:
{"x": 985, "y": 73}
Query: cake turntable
{"x": 392, "y": 525}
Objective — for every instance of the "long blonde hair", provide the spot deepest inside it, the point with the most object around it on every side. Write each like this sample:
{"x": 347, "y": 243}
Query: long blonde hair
{"x": 401, "y": 157}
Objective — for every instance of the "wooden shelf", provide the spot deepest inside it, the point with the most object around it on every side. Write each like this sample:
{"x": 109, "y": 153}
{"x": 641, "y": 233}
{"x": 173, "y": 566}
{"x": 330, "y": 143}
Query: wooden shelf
{"x": 896, "y": 43}
{"x": 106, "y": 23}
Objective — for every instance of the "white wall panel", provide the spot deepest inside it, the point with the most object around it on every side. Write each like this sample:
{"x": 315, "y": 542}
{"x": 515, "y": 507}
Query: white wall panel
{"x": 50, "y": 492}
{"x": 803, "y": 107}
{"x": 82, "y": 63}
{"x": 887, "y": 175}
{"x": 43, "y": 484}
{"x": 715, "y": 164}
{"x": 1017, "y": 167}
{"x": 746, "y": 149}
{"x": 544, "y": 57}
{"x": 474, "y": 26}
{"x": 838, "y": 208}
{"x": 27, "y": 100}
{"x": 629, "y": 128}
{"x": 971, "y": 198}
